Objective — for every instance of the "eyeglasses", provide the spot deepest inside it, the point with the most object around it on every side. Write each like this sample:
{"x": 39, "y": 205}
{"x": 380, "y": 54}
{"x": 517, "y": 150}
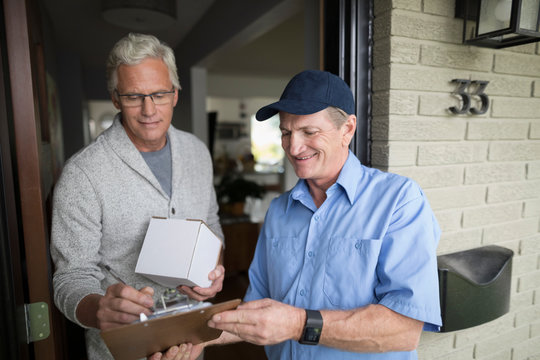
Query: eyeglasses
{"x": 135, "y": 100}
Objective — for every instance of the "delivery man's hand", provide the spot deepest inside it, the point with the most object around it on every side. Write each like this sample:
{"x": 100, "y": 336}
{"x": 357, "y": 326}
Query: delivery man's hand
{"x": 180, "y": 352}
{"x": 198, "y": 293}
{"x": 261, "y": 322}
{"x": 192, "y": 352}
{"x": 122, "y": 305}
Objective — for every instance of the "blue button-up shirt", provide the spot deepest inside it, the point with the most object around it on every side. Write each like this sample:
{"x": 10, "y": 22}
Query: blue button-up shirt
{"x": 372, "y": 241}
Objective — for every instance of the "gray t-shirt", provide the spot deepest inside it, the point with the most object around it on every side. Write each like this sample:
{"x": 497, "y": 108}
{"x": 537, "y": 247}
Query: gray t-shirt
{"x": 161, "y": 165}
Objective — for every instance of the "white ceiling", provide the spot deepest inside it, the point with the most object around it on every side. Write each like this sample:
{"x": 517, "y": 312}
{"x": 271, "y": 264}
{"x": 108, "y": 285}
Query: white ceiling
{"x": 279, "y": 52}
{"x": 80, "y": 28}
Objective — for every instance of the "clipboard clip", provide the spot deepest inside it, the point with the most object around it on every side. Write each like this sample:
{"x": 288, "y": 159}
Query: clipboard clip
{"x": 173, "y": 302}
{"x": 172, "y": 297}
{"x": 172, "y": 310}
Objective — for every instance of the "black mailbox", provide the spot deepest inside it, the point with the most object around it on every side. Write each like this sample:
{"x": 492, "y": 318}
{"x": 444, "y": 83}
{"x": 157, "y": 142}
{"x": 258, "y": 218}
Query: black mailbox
{"x": 474, "y": 286}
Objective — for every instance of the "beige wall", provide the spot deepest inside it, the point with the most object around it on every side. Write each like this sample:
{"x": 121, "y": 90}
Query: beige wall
{"x": 480, "y": 173}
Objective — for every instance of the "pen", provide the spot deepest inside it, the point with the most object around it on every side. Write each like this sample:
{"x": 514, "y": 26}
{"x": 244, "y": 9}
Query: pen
{"x": 114, "y": 274}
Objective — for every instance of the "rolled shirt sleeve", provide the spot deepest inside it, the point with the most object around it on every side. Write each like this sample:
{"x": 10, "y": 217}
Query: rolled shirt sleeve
{"x": 407, "y": 269}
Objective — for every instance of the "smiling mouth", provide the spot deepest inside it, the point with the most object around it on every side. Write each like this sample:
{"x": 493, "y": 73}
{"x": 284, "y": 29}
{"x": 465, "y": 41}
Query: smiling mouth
{"x": 148, "y": 122}
{"x": 306, "y": 157}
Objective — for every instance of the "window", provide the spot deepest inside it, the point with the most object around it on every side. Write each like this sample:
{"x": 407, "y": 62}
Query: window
{"x": 266, "y": 145}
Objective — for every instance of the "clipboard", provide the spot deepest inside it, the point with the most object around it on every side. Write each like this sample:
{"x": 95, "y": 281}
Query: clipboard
{"x": 141, "y": 339}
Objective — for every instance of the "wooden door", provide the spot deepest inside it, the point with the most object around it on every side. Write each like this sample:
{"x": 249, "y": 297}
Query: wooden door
{"x": 12, "y": 341}
{"x": 30, "y": 172}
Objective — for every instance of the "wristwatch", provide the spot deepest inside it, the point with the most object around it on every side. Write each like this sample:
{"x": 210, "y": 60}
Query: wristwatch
{"x": 312, "y": 328}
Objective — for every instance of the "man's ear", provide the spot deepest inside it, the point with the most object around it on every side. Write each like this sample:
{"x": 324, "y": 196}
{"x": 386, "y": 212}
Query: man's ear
{"x": 175, "y": 99}
{"x": 348, "y": 130}
{"x": 115, "y": 102}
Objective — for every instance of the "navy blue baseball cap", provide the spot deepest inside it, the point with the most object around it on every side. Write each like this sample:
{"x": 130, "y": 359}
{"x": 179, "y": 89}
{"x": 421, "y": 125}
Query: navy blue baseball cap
{"x": 309, "y": 92}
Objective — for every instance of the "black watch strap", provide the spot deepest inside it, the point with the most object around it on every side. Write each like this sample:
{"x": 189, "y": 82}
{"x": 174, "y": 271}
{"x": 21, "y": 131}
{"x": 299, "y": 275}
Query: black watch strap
{"x": 312, "y": 328}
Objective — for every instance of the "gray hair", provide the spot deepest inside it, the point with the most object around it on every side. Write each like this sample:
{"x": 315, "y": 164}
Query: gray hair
{"x": 338, "y": 116}
{"x": 132, "y": 49}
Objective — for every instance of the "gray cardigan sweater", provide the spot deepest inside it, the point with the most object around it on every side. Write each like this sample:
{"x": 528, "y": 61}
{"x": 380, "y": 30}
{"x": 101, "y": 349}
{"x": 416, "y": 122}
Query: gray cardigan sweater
{"x": 102, "y": 205}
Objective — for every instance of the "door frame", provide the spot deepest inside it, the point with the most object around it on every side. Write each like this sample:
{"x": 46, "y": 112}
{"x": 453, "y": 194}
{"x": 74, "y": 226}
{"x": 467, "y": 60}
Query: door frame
{"x": 347, "y": 51}
{"x": 13, "y": 343}
{"x": 24, "y": 70}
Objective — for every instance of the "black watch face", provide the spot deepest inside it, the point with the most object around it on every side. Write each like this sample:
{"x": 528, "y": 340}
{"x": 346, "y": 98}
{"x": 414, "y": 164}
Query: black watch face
{"x": 312, "y": 335}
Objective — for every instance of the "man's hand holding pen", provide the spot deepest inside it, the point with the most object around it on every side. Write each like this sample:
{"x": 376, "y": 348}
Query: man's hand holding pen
{"x": 123, "y": 304}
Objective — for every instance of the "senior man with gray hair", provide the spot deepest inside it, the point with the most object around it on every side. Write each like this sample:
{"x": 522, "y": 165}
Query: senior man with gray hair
{"x": 138, "y": 168}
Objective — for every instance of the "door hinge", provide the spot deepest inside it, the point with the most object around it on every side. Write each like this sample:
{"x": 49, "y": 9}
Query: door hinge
{"x": 37, "y": 321}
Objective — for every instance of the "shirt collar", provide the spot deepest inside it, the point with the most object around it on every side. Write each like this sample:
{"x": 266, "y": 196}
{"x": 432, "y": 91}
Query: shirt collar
{"x": 348, "y": 180}
{"x": 299, "y": 192}
{"x": 349, "y": 176}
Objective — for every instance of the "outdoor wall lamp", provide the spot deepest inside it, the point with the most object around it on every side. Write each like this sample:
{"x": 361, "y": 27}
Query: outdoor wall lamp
{"x": 499, "y": 23}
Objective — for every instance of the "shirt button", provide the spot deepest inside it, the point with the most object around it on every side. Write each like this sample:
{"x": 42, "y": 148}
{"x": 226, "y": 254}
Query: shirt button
{"x": 310, "y": 254}
{"x": 357, "y": 245}
{"x": 173, "y": 211}
{"x": 316, "y": 217}
{"x": 302, "y": 292}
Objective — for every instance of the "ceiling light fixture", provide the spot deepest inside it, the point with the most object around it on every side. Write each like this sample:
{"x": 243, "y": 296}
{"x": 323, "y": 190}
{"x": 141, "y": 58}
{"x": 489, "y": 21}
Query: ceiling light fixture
{"x": 140, "y": 15}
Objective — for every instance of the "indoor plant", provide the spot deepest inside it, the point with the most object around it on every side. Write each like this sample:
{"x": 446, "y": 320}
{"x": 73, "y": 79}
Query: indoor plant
{"x": 233, "y": 190}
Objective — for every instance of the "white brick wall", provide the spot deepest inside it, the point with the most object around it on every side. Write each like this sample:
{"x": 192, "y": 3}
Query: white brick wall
{"x": 491, "y": 129}
{"x": 515, "y": 107}
{"x": 403, "y": 154}
{"x": 496, "y": 344}
{"x": 533, "y": 170}
{"x": 480, "y": 173}
{"x": 536, "y": 88}
{"x": 515, "y": 150}
{"x": 531, "y": 208}
{"x": 516, "y": 64}
{"x": 455, "y": 56}
{"x": 494, "y": 172}
{"x": 459, "y": 240}
{"x": 456, "y": 197}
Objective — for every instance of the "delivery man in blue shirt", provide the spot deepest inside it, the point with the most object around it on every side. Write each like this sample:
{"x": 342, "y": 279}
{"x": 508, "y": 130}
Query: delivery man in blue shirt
{"x": 345, "y": 265}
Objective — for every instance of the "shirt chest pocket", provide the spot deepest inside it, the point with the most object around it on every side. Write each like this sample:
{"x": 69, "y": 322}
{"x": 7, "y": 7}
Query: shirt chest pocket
{"x": 284, "y": 261}
{"x": 350, "y": 271}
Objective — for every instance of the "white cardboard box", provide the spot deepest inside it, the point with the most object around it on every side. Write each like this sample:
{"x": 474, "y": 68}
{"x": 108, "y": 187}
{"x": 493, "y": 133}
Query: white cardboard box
{"x": 179, "y": 252}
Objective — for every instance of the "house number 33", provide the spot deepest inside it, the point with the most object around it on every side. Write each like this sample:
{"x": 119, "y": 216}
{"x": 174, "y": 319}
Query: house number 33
{"x": 467, "y": 89}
